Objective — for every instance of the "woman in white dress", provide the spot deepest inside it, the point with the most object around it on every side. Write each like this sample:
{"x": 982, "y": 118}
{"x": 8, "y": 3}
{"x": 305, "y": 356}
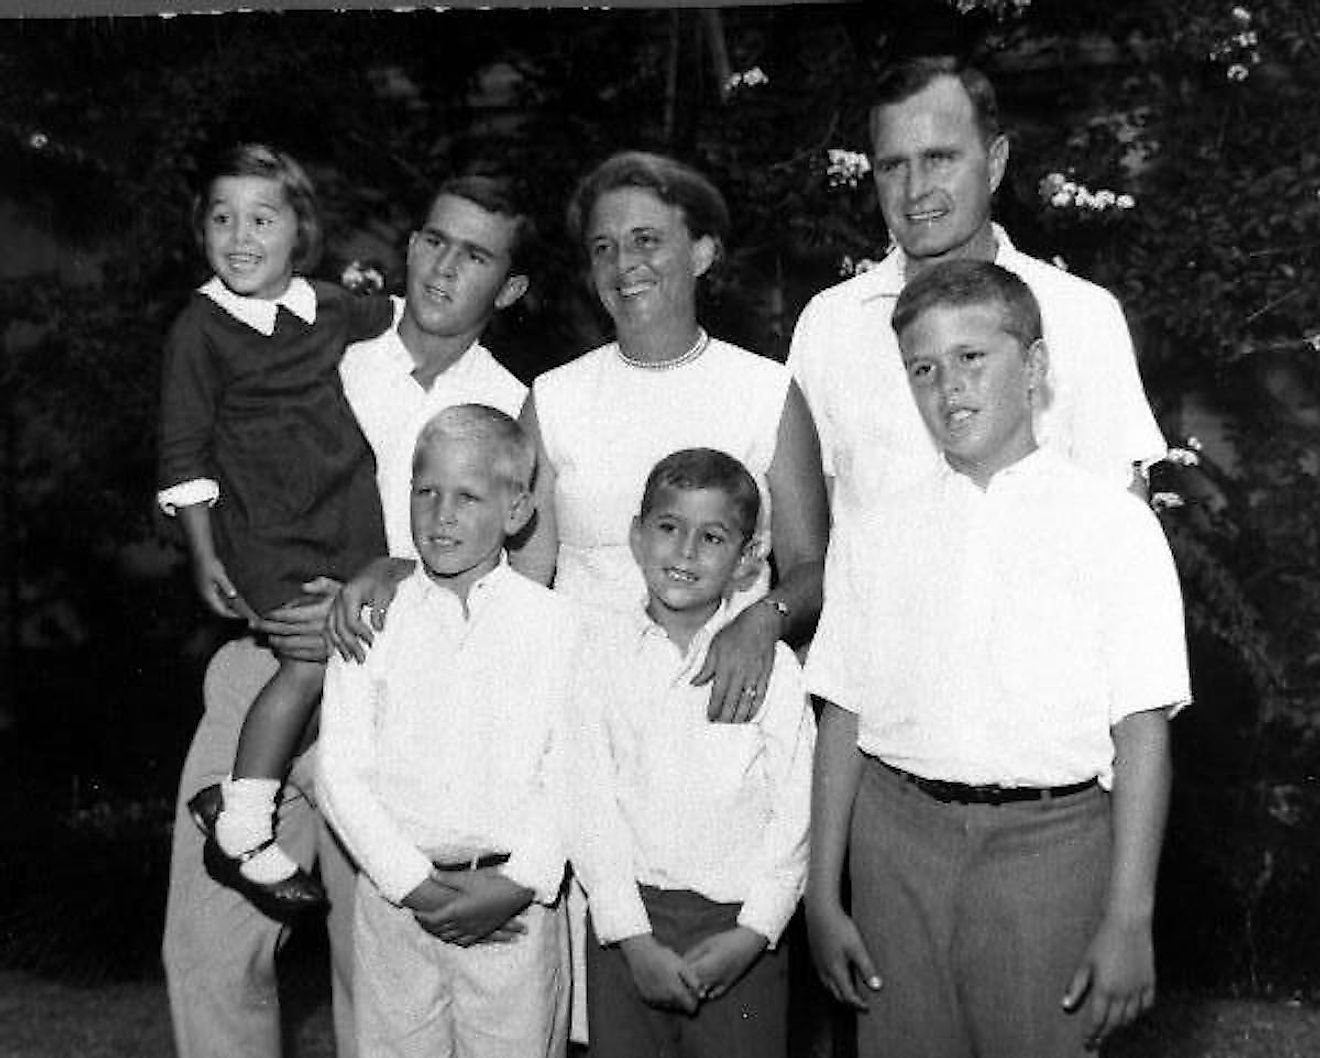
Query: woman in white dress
{"x": 651, "y": 227}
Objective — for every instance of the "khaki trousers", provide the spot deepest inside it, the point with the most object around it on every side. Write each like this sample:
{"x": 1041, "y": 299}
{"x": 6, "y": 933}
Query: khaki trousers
{"x": 218, "y": 950}
{"x": 417, "y": 996}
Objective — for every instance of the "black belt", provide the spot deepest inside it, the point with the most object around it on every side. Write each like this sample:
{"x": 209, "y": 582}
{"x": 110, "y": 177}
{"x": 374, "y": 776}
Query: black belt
{"x": 962, "y": 794}
{"x": 490, "y": 859}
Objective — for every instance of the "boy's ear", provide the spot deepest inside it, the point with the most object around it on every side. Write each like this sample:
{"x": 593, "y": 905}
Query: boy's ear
{"x": 635, "y": 538}
{"x": 515, "y": 286}
{"x": 520, "y": 513}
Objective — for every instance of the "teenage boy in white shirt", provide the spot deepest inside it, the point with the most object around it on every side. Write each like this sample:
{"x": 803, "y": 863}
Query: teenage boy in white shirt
{"x": 465, "y": 263}
{"x": 441, "y": 768}
{"x": 690, "y": 836}
{"x": 993, "y": 750}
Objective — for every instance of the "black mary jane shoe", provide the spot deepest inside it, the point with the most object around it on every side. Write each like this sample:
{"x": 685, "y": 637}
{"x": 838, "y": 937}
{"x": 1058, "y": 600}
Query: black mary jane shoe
{"x": 289, "y": 898}
{"x": 205, "y": 807}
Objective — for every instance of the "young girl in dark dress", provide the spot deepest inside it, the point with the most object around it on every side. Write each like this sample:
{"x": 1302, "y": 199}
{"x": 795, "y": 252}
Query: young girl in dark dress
{"x": 265, "y": 466}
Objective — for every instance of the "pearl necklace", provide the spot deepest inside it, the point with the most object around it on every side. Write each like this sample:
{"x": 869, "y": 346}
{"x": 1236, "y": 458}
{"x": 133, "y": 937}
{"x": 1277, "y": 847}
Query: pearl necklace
{"x": 698, "y": 347}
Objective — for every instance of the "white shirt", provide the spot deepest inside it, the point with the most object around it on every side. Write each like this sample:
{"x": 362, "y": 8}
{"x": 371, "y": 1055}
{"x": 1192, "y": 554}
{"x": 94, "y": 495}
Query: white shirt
{"x": 448, "y": 740}
{"x": 995, "y": 637}
{"x": 392, "y": 408}
{"x": 605, "y": 423}
{"x": 667, "y": 798}
{"x": 846, "y": 360}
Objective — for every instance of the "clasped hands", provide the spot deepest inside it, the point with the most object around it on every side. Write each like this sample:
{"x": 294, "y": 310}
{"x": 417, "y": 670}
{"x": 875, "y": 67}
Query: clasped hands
{"x": 470, "y": 907}
{"x": 671, "y": 981}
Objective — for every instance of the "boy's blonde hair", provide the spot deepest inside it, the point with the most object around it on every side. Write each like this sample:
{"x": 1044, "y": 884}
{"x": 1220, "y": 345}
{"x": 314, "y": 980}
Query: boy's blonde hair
{"x": 512, "y": 454}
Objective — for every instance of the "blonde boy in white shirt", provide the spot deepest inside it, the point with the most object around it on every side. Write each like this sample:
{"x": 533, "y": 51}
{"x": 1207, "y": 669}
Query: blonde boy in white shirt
{"x": 441, "y": 768}
{"x": 993, "y": 751}
{"x": 691, "y": 835}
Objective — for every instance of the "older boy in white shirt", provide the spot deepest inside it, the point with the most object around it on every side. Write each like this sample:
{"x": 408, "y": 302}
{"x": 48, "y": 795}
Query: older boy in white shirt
{"x": 691, "y": 836}
{"x": 441, "y": 768}
{"x": 993, "y": 751}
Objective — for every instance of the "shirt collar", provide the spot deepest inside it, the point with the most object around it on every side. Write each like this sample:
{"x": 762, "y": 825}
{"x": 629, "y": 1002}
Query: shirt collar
{"x": 1030, "y": 466}
{"x": 648, "y": 631}
{"x": 479, "y": 595}
{"x": 889, "y": 275}
{"x": 259, "y": 313}
{"x": 402, "y": 359}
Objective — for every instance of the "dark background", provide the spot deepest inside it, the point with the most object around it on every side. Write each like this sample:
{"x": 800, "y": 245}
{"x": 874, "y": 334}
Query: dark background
{"x": 1206, "y": 118}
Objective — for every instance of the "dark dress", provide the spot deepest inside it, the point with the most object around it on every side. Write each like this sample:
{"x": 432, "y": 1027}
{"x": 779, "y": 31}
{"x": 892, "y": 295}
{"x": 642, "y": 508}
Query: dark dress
{"x": 266, "y": 418}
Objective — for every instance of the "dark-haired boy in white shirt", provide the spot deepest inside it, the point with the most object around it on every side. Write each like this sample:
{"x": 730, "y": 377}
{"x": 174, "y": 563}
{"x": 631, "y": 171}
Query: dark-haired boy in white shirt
{"x": 690, "y": 836}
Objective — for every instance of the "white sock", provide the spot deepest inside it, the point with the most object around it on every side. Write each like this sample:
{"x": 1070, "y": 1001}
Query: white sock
{"x": 246, "y": 821}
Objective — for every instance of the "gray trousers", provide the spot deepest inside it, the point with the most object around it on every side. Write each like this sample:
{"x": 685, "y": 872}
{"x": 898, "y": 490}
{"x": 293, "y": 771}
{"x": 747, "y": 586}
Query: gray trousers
{"x": 748, "y": 1021}
{"x": 976, "y": 917}
{"x": 218, "y": 950}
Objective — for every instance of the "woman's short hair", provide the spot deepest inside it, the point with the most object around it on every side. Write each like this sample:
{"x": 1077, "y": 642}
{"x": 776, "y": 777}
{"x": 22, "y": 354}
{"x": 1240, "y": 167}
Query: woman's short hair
{"x": 258, "y": 159}
{"x": 707, "y": 468}
{"x": 956, "y": 284}
{"x": 512, "y": 453}
{"x": 673, "y": 182}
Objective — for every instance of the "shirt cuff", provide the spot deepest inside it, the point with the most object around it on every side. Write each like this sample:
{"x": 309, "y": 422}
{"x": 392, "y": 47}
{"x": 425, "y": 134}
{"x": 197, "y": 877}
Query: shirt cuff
{"x": 542, "y": 874}
{"x": 619, "y": 914}
{"x": 768, "y": 914}
{"x": 188, "y": 493}
{"x": 397, "y": 879}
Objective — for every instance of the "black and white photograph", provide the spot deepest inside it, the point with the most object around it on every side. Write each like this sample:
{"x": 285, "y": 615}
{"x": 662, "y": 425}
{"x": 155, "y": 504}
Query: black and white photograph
{"x": 781, "y": 529}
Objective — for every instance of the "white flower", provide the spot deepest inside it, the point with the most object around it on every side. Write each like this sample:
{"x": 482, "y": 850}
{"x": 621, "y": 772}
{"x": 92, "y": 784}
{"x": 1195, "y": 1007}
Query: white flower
{"x": 1194, "y": 443}
{"x": 846, "y": 167}
{"x": 849, "y": 267}
{"x": 1105, "y": 199}
{"x": 1236, "y": 72}
{"x": 1061, "y": 199}
{"x": 1163, "y": 501}
{"x": 1241, "y": 14}
{"x": 38, "y": 141}
{"x": 362, "y": 278}
{"x": 1125, "y": 202}
{"x": 746, "y": 79}
{"x": 1183, "y": 457}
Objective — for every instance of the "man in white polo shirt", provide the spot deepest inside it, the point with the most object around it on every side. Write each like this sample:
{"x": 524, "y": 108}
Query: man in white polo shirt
{"x": 464, "y": 264}
{"x": 938, "y": 156}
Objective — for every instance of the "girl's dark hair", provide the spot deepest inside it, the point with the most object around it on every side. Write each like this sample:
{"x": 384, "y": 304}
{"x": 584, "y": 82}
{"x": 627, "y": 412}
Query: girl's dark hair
{"x": 257, "y": 159}
{"x": 671, "y": 181}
